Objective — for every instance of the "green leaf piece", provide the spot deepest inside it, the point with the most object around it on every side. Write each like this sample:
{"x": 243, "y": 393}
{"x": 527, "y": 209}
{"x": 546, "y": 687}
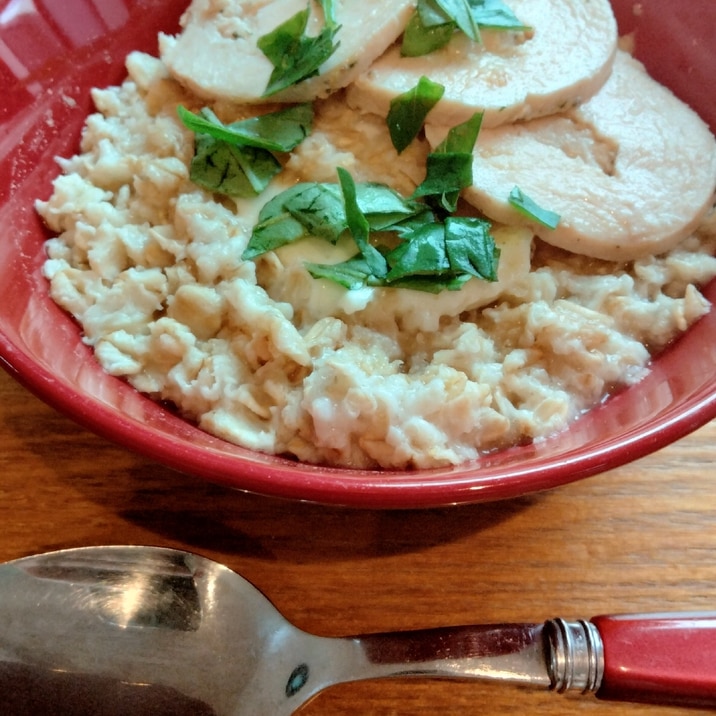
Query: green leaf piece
{"x": 462, "y": 137}
{"x": 329, "y": 12}
{"x": 447, "y": 174}
{"x": 423, "y": 254}
{"x": 230, "y": 169}
{"x": 358, "y": 225}
{"x": 460, "y": 11}
{"x": 471, "y": 247}
{"x": 532, "y": 210}
{"x": 352, "y": 274}
{"x": 295, "y": 55}
{"x": 422, "y": 37}
{"x": 449, "y": 167}
{"x": 279, "y": 131}
{"x": 434, "y": 22}
{"x": 408, "y": 111}
{"x": 496, "y": 15}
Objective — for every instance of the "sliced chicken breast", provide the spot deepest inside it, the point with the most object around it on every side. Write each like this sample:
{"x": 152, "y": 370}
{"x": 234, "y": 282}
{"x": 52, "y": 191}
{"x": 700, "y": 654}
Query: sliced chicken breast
{"x": 562, "y": 61}
{"x": 216, "y": 55}
{"x": 631, "y": 172}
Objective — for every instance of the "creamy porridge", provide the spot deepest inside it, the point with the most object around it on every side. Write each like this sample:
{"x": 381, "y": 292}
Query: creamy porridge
{"x": 263, "y": 353}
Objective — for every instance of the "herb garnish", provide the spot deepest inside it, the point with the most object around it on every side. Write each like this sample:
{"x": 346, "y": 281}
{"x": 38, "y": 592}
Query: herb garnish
{"x": 421, "y": 250}
{"x": 359, "y": 227}
{"x": 449, "y": 166}
{"x": 238, "y": 159}
{"x": 318, "y": 209}
{"x": 295, "y": 55}
{"x": 408, "y": 111}
{"x": 532, "y": 210}
{"x": 434, "y": 22}
{"x": 424, "y": 247}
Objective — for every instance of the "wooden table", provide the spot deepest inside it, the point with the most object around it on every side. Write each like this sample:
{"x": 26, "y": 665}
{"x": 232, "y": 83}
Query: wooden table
{"x": 638, "y": 538}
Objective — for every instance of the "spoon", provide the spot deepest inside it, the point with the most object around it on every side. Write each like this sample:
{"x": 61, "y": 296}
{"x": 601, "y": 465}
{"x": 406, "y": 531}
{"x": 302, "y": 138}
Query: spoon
{"x": 147, "y": 630}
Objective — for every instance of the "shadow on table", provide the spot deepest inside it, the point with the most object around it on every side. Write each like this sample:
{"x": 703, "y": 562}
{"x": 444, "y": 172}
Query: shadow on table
{"x": 212, "y": 517}
{"x": 178, "y": 508}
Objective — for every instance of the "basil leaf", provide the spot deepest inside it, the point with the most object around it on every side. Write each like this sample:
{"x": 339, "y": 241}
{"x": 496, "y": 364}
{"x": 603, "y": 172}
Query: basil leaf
{"x": 462, "y": 137}
{"x": 319, "y": 209}
{"x": 532, "y": 210}
{"x": 230, "y": 169}
{"x": 495, "y": 15}
{"x": 276, "y": 226}
{"x": 434, "y": 22}
{"x": 358, "y": 225}
{"x": 352, "y": 274}
{"x": 279, "y": 131}
{"x": 449, "y": 167}
{"x": 236, "y": 159}
{"x": 461, "y": 247}
{"x": 329, "y": 12}
{"x": 432, "y": 15}
{"x": 471, "y": 247}
{"x": 421, "y": 37}
{"x": 407, "y": 226}
{"x": 422, "y": 253}
{"x": 431, "y": 254}
{"x": 460, "y": 11}
{"x": 294, "y": 55}
{"x": 408, "y": 111}
{"x": 312, "y": 208}
{"x": 273, "y": 234}
{"x": 384, "y": 208}
{"x": 447, "y": 174}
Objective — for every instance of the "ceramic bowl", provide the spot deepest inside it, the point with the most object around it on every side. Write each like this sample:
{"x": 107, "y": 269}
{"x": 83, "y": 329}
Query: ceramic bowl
{"x": 52, "y": 53}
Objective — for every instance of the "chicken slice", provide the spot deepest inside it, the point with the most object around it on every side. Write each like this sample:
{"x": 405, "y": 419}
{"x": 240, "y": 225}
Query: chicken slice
{"x": 562, "y": 61}
{"x": 216, "y": 54}
{"x": 631, "y": 172}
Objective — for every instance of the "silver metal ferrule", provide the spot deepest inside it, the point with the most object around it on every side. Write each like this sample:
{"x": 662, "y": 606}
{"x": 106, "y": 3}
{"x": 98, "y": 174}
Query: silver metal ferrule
{"x": 575, "y": 655}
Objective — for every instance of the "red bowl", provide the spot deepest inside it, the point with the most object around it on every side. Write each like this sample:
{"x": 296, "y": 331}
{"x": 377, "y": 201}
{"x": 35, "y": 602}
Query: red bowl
{"x": 52, "y": 53}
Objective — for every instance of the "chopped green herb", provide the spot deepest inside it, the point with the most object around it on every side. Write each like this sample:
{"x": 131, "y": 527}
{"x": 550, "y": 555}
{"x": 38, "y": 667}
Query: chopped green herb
{"x": 317, "y": 209}
{"x": 237, "y": 159}
{"x": 471, "y": 247}
{"x": 455, "y": 250}
{"x": 434, "y": 22}
{"x": 351, "y": 274}
{"x": 358, "y": 225}
{"x": 421, "y": 37}
{"x": 231, "y": 169}
{"x": 461, "y": 13}
{"x": 432, "y": 284}
{"x": 447, "y": 174}
{"x": 329, "y": 12}
{"x": 423, "y": 253}
{"x": 279, "y": 131}
{"x": 532, "y": 210}
{"x": 462, "y": 137}
{"x": 495, "y": 15}
{"x": 428, "y": 254}
{"x": 295, "y": 55}
{"x": 449, "y": 167}
{"x": 276, "y": 226}
{"x": 408, "y": 111}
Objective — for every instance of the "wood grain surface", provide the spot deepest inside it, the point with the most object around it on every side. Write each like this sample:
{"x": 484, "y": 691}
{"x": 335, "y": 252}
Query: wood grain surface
{"x": 638, "y": 538}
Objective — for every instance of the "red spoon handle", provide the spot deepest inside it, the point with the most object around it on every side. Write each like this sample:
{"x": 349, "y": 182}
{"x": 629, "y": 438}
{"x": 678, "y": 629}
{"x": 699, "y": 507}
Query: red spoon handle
{"x": 659, "y": 658}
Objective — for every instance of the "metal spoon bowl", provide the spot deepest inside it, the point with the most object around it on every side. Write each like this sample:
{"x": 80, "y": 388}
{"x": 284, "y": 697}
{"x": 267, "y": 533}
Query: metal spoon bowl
{"x": 146, "y": 630}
